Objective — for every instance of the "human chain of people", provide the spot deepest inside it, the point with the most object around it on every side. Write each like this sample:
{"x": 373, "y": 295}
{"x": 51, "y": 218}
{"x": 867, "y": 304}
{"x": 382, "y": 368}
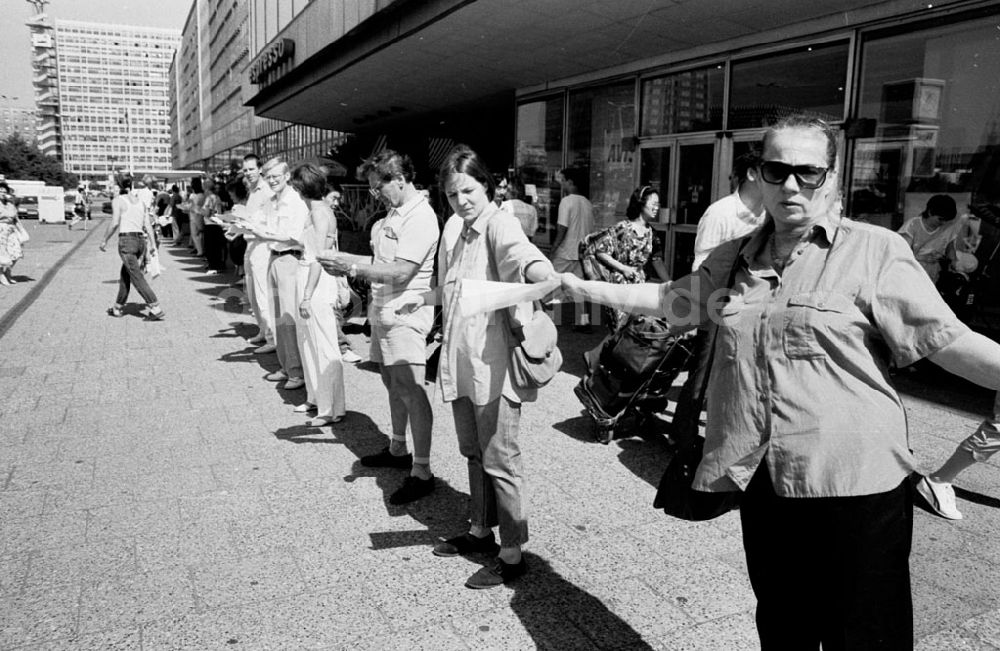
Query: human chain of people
{"x": 790, "y": 313}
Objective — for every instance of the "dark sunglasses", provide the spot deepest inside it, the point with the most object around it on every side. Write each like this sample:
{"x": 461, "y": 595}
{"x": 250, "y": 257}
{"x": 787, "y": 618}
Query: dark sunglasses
{"x": 808, "y": 176}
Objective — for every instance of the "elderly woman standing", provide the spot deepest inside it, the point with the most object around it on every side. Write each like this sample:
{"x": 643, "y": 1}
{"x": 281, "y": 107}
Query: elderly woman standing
{"x": 474, "y": 373}
{"x": 802, "y": 416}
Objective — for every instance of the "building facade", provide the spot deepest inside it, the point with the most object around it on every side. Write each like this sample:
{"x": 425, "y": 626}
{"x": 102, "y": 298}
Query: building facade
{"x": 661, "y": 94}
{"x": 46, "y": 85}
{"x": 213, "y": 128}
{"x": 113, "y": 97}
{"x": 19, "y": 120}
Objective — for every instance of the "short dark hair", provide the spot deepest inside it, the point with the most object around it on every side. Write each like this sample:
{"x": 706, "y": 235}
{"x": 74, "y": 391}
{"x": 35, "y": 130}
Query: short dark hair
{"x": 575, "y": 175}
{"x": 637, "y": 201}
{"x": 463, "y": 160}
{"x": 196, "y": 185}
{"x": 252, "y": 156}
{"x": 237, "y": 189}
{"x": 805, "y": 121}
{"x": 174, "y": 188}
{"x": 310, "y": 181}
{"x": 124, "y": 183}
{"x": 943, "y": 206}
{"x": 743, "y": 164}
{"x": 387, "y": 165}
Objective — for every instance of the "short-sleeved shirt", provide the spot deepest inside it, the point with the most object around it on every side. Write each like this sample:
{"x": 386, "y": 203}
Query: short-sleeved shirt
{"x": 409, "y": 233}
{"x": 286, "y": 215}
{"x": 259, "y": 197}
{"x": 475, "y": 349}
{"x": 726, "y": 219}
{"x": 931, "y": 247}
{"x": 525, "y": 213}
{"x": 801, "y": 366}
{"x": 576, "y": 213}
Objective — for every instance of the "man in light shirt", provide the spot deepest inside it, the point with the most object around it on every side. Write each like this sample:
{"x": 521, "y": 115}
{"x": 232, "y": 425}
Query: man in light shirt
{"x": 404, "y": 244}
{"x": 285, "y": 217}
{"x": 525, "y": 212}
{"x": 575, "y": 221}
{"x": 258, "y": 256}
{"x": 731, "y": 217}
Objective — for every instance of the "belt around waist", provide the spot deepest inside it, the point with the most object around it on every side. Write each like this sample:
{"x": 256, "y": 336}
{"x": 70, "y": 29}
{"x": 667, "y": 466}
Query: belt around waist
{"x": 131, "y": 234}
{"x": 292, "y": 252}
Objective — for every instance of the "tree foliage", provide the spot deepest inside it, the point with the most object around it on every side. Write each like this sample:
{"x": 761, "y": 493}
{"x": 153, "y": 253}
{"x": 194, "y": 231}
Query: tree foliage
{"x": 22, "y": 160}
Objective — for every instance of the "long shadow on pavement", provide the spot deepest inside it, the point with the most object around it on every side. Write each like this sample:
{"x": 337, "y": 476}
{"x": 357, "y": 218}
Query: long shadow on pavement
{"x": 443, "y": 513}
{"x": 558, "y": 614}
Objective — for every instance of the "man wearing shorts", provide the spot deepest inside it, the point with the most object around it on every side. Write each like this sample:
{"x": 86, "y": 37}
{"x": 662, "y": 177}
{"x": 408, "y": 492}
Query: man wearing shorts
{"x": 404, "y": 244}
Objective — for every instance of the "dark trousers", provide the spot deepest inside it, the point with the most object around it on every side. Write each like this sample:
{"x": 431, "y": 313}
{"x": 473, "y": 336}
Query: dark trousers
{"x": 216, "y": 247}
{"x": 237, "y": 249}
{"x": 832, "y": 570}
{"x": 131, "y": 249}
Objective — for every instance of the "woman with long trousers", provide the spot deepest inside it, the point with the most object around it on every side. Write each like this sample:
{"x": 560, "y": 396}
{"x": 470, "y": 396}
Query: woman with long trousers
{"x": 135, "y": 233}
{"x": 316, "y": 294}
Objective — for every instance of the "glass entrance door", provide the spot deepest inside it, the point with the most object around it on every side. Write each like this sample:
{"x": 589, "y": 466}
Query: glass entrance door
{"x": 683, "y": 172}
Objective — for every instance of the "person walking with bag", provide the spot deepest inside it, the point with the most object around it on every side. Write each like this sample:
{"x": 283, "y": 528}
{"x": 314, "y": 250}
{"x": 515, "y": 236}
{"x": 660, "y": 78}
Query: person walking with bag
{"x": 816, "y": 306}
{"x": 135, "y": 234}
{"x": 475, "y": 373}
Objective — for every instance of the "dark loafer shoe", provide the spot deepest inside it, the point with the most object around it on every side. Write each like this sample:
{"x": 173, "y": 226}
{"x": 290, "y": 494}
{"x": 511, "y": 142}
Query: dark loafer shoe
{"x": 386, "y": 459}
{"x": 413, "y": 489}
{"x": 466, "y": 544}
{"x": 496, "y": 574}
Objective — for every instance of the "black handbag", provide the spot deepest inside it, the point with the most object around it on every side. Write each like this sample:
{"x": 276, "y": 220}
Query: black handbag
{"x": 674, "y": 493}
{"x": 676, "y": 497}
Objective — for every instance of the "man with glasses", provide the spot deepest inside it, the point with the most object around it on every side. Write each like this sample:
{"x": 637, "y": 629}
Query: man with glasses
{"x": 404, "y": 244}
{"x": 258, "y": 256}
{"x": 285, "y": 216}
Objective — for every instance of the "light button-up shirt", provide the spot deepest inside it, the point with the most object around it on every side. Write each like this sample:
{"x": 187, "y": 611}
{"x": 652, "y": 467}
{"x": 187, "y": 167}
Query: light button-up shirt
{"x": 801, "y": 369}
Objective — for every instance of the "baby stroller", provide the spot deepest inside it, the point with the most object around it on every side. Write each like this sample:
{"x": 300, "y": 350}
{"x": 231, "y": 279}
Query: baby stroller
{"x": 631, "y": 375}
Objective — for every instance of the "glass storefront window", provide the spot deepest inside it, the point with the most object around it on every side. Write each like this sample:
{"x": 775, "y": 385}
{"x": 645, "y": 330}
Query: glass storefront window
{"x": 601, "y": 141}
{"x": 933, "y": 97}
{"x": 683, "y": 102}
{"x": 539, "y": 158}
{"x": 812, "y": 78}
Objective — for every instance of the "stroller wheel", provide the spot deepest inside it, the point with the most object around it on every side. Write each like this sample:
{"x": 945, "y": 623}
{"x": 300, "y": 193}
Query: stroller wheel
{"x": 603, "y": 433}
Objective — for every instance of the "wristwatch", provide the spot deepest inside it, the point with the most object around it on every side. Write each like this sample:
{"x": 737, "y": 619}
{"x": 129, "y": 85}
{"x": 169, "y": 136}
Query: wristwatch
{"x": 353, "y": 271}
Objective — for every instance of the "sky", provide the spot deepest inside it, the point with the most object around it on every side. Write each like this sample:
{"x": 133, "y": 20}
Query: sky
{"x": 15, "y": 44}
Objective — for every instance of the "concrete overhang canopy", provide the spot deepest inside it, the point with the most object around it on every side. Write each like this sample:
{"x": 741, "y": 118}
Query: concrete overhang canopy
{"x": 421, "y": 58}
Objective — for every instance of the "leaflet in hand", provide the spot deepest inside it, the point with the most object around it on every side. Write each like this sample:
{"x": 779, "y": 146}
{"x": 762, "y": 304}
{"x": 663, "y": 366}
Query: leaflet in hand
{"x": 477, "y": 296}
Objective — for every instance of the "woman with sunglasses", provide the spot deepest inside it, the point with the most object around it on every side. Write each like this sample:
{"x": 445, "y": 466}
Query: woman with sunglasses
{"x": 623, "y": 250}
{"x": 802, "y": 417}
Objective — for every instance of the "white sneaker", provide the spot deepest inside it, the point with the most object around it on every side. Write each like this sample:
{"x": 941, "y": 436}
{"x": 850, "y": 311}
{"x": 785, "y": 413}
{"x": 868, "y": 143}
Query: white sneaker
{"x": 350, "y": 357}
{"x": 940, "y": 496}
{"x": 265, "y": 349}
{"x": 295, "y": 383}
{"x": 305, "y": 407}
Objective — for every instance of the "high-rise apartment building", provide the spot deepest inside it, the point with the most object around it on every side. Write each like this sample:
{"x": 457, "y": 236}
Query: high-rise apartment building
{"x": 114, "y": 98}
{"x": 45, "y": 82}
{"x": 17, "y": 119}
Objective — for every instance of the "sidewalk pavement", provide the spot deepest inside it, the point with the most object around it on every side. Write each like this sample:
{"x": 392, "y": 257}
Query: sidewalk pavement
{"x": 157, "y": 493}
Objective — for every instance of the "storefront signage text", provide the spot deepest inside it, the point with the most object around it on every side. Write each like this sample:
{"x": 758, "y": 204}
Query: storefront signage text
{"x": 273, "y": 56}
